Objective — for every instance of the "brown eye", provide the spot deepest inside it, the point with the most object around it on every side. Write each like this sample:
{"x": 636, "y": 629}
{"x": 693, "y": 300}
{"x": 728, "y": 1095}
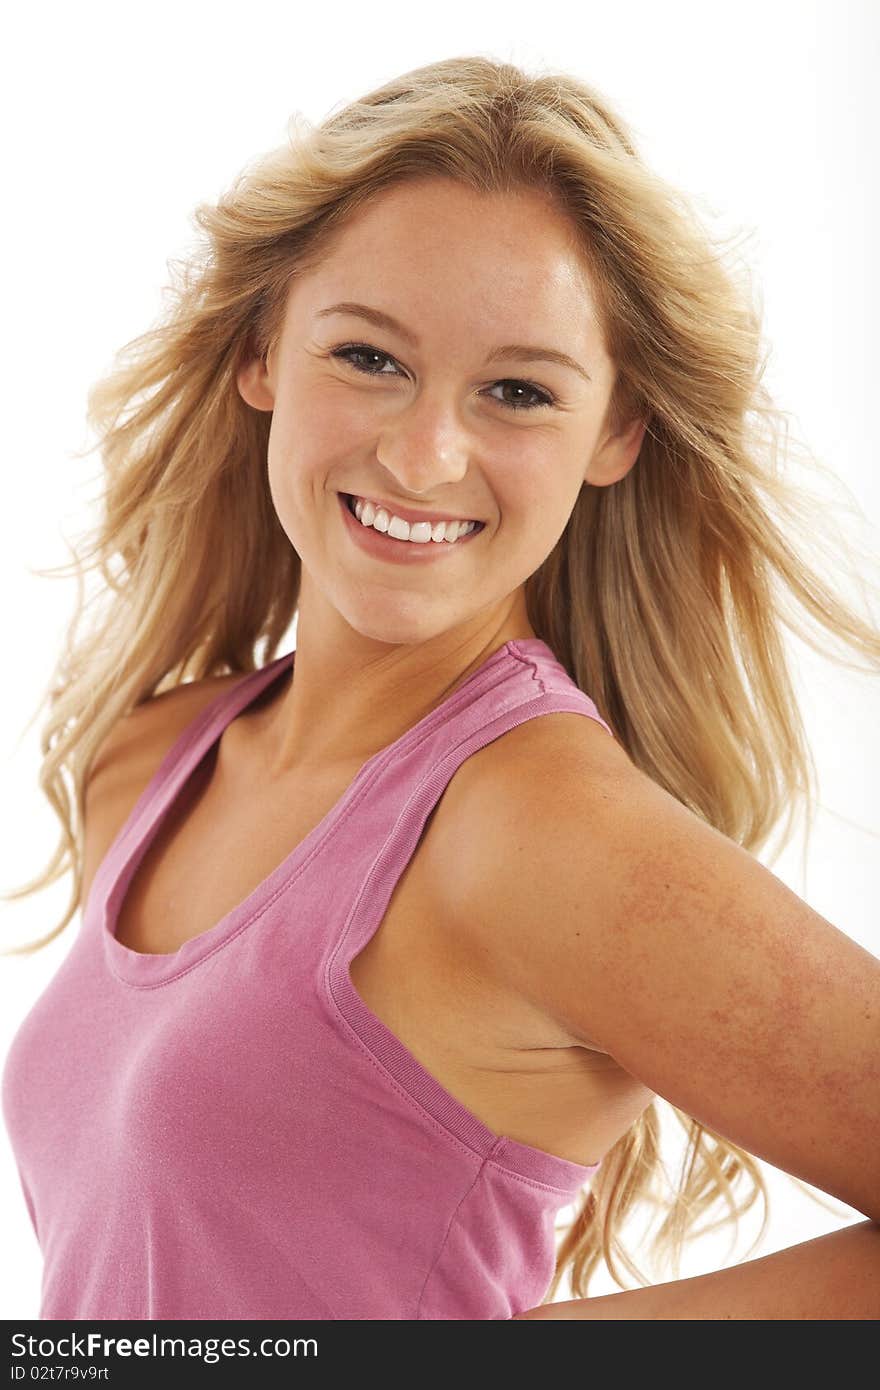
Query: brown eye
{"x": 543, "y": 397}
{"x": 351, "y": 351}
{"x": 347, "y": 354}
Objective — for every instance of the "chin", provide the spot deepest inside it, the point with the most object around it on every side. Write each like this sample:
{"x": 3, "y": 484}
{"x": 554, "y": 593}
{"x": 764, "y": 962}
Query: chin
{"x": 400, "y": 634}
{"x": 400, "y": 622}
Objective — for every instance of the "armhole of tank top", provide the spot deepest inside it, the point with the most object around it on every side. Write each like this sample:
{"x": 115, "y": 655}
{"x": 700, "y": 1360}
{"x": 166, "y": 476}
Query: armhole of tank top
{"x": 418, "y": 1082}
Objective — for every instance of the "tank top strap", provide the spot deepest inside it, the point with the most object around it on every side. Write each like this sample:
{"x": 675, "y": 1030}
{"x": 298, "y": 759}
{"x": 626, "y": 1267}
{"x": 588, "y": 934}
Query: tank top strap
{"x": 551, "y": 682}
{"x": 178, "y": 764}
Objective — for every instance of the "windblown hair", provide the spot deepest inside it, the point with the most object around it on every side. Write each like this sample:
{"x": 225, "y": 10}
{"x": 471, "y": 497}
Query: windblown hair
{"x": 664, "y": 597}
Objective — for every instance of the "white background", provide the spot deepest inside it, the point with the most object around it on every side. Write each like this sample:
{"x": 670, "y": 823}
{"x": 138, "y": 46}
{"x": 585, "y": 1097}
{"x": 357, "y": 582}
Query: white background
{"x": 118, "y": 119}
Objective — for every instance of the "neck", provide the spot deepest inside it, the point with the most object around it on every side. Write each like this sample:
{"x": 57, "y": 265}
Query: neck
{"x": 351, "y": 695}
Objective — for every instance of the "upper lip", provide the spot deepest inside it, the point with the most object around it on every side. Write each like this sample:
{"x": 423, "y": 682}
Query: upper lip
{"x": 407, "y": 513}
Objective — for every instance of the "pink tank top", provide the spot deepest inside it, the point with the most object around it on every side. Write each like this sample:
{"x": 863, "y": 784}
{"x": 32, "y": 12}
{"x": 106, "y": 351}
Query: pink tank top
{"x": 227, "y": 1131}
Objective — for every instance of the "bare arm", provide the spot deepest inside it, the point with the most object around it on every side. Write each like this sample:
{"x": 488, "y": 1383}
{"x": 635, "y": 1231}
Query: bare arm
{"x": 636, "y": 926}
{"x": 834, "y": 1277}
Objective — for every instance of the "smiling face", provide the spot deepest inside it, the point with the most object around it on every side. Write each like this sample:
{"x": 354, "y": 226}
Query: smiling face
{"x": 427, "y": 412}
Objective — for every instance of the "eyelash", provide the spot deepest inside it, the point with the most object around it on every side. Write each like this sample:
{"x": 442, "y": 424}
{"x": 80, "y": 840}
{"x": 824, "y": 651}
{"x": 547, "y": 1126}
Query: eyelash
{"x": 341, "y": 353}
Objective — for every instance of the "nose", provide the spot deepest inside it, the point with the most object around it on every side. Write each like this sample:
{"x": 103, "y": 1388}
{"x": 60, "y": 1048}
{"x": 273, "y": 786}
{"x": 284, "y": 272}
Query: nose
{"x": 424, "y": 447}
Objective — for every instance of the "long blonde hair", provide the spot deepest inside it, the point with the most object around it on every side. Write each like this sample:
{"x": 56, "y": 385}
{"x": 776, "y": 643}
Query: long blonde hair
{"x": 663, "y": 598}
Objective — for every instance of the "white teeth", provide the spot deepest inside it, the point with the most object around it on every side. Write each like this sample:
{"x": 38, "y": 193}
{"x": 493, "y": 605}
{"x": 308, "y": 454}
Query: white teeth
{"x": 419, "y": 532}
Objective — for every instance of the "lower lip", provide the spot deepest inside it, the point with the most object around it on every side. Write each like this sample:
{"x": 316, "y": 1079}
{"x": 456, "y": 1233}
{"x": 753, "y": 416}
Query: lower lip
{"x": 386, "y": 547}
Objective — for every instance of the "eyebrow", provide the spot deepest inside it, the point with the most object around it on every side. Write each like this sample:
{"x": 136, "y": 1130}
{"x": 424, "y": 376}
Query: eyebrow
{"x": 507, "y": 353}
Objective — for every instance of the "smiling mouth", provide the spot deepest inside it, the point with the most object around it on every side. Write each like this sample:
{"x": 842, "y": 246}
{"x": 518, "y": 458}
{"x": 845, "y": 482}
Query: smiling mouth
{"x": 350, "y": 500}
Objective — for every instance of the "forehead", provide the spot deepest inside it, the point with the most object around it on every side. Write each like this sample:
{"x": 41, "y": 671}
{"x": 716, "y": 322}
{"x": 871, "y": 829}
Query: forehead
{"x": 433, "y": 247}
{"x": 443, "y": 207}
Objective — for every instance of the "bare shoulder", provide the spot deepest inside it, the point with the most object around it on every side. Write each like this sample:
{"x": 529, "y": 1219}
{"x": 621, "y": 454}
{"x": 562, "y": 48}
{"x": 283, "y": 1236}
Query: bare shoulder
{"x": 561, "y": 756}
{"x": 153, "y": 726}
{"x": 128, "y": 757}
{"x": 494, "y": 814}
{"x": 631, "y": 922}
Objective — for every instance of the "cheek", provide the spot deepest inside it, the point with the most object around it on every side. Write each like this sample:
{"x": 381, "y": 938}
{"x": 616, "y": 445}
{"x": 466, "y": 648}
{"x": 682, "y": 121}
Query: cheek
{"x": 314, "y": 432}
{"x": 281, "y": 491}
{"x": 335, "y": 417}
{"x": 541, "y": 496}
{"x": 287, "y": 470}
{"x": 542, "y": 488}
{"x": 299, "y": 456}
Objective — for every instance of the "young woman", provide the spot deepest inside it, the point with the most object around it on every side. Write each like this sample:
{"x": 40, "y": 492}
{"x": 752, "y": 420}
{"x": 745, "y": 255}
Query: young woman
{"x": 391, "y": 943}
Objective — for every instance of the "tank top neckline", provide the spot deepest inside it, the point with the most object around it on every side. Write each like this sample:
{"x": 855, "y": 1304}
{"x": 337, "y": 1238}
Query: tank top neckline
{"x": 146, "y": 972}
{"x": 174, "y": 773}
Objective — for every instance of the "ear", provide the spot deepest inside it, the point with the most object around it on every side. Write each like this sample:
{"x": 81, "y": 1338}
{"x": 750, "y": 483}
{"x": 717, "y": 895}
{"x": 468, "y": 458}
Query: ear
{"x": 616, "y": 454}
{"x": 255, "y": 384}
